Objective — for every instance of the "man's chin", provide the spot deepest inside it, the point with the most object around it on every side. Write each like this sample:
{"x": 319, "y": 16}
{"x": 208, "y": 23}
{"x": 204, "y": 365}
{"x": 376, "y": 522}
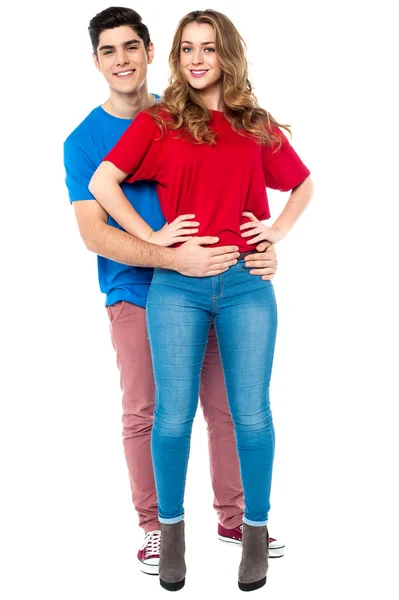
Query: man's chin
{"x": 124, "y": 89}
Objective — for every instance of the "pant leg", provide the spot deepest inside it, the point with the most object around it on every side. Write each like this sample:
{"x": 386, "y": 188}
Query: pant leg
{"x": 245, "y": 323}
{"x": 224, "y": 465}
{"x": 129, "y": 338}
{"x": 178, "y": 325}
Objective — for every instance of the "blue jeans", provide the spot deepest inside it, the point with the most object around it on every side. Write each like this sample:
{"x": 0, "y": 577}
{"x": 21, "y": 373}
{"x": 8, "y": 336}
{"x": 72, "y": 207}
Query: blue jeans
{"x": 179, "y": 313}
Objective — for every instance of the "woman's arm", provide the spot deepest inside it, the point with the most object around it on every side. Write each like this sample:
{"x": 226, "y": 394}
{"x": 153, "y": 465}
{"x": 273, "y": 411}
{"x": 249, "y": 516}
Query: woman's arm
{"x": 283, "y": 170}
{"x": 105, "y": 187}
{"x": 134, "y": 158}
{"x": 297, "y": 202}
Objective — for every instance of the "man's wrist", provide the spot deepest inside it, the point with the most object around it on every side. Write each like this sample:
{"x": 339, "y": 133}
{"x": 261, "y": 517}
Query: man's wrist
{"x": 168, "y": 259}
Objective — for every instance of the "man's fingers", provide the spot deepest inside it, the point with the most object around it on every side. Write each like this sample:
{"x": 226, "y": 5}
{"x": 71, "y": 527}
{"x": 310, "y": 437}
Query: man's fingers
{"x": 259, "y": 264}
{"x": 223, "y": 265}
{"x": 218, "y": 272}
{"x": 268, "y": 271}
{"x": 263, "y": 245}
{"x": 224, "y": 250}
{"x": 257, "y": 256}
{"x": 224, "y": 259}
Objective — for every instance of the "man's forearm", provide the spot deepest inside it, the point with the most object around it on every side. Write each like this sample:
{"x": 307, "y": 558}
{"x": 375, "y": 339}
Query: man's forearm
{"x": 117, "y": 245}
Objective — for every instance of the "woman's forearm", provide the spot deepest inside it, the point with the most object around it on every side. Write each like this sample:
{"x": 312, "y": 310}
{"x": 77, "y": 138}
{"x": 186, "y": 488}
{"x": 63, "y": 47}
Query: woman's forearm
{"x": 105, "y": 187}
{"x": 297, "y": 202}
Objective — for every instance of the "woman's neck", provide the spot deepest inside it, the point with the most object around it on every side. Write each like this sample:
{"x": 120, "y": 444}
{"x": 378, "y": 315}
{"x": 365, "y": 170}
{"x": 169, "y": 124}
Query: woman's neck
{"x": 212, "y": 97}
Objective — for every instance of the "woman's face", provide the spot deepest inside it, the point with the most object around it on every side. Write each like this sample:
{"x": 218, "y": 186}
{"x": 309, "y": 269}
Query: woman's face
{"x": 198, "y": 58}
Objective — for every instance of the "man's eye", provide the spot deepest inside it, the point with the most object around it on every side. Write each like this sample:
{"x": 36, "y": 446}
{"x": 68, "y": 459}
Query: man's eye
{"x": 132, "y": 47}
{"x": 107, "y": 52}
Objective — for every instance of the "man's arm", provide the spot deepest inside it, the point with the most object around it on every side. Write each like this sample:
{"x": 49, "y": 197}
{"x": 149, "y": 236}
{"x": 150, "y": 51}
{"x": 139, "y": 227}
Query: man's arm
{"x": 190, "y": 259}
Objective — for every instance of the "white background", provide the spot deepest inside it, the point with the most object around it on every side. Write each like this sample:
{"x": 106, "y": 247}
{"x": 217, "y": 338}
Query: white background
{"x": 68, "y": 528}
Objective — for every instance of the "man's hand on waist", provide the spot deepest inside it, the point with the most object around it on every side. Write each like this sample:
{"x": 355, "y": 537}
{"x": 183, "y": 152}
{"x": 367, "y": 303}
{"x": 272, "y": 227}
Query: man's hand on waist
{"x": 193, "y": 260}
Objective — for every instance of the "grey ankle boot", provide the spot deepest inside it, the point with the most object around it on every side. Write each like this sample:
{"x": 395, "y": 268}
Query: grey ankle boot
{"x": 255, "y": 558}
{"x": 172, "y": 567}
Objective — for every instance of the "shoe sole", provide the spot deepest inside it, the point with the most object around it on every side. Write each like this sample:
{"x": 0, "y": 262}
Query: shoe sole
{"x": 249, "y": 587}
{"x": 172, "y": 587}
{"x": 149, "y": 569}
{"x": 273, "y": 552}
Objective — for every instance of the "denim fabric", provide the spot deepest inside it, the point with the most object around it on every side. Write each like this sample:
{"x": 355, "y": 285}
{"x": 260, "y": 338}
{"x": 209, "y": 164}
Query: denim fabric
{"x": 179, "y": 313}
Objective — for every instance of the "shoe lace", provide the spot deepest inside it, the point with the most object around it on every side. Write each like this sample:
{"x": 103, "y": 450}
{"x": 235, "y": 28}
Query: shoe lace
{"x": 151, "y": 543}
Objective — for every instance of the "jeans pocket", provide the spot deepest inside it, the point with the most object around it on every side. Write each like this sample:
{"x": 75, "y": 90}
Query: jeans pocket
{"x": 242, "y": 267}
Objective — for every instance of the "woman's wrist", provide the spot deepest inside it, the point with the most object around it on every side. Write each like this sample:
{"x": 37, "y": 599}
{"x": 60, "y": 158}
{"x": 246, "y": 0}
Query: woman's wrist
{"x": 149, "y": 236}
{"x": 281, "y": 230}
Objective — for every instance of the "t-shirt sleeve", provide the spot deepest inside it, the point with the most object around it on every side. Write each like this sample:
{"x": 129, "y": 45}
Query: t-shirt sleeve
{"x": 137, "y": 150}
{"x": 79, "y": 170}
{"x": 282, "y": 168}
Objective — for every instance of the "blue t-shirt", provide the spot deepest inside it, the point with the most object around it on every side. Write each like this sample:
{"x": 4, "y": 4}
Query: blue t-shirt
{"x": 84, "y": 150}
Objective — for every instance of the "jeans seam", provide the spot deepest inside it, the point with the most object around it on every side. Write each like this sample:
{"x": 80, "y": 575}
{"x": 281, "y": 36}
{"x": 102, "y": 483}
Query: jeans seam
{"x": 184, "y": 482}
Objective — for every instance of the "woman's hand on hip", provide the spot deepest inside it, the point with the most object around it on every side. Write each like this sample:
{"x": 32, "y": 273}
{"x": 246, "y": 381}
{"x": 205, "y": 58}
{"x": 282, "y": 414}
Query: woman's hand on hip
{"x": 258, "y": 231}
{"x": 180, "y": 230}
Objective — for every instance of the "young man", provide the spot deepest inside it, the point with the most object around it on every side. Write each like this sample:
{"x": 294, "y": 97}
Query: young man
{"x": 122, "y": 51}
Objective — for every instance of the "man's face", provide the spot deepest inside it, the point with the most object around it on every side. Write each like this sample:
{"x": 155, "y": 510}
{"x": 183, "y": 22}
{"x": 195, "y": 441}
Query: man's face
{"x": 122, "y": 58}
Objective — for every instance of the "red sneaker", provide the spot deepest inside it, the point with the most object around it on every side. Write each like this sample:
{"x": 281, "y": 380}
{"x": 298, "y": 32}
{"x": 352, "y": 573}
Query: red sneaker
{"x": 234, "y": 536}
{"x": 148, "y": 554}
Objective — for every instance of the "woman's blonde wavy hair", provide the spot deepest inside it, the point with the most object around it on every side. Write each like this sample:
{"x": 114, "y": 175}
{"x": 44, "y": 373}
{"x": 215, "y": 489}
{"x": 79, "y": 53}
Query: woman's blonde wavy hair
{"x": 241, "y": 108}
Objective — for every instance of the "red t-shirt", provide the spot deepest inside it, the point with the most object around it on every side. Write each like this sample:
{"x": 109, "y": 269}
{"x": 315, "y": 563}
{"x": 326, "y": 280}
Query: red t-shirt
{"x": 215, "y": 183}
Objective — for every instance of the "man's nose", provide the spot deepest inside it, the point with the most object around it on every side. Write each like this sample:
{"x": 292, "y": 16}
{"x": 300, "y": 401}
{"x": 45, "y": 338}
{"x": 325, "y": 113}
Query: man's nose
{"x": 122, "y": 58}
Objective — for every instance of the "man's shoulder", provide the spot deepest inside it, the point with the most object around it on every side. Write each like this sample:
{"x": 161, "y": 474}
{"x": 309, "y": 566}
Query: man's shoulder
{"x": 84, "y": 127}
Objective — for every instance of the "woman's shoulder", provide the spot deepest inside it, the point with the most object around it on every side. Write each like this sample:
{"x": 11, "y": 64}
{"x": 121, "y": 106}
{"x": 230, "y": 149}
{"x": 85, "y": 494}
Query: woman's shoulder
{"x": 159, "y": 111}
{"x": 276, "y": 136}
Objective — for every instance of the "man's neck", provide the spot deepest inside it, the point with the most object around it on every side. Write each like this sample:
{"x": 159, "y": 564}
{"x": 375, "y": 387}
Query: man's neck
{"x": 127, "y": 106}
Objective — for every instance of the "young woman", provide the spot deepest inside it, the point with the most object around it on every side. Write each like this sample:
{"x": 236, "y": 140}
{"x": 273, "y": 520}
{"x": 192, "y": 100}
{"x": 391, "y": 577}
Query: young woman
{"x": 212, "y": 151}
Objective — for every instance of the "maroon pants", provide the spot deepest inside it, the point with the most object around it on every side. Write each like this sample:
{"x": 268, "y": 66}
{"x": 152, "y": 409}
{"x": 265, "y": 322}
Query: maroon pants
{"x": 129, "y": 338}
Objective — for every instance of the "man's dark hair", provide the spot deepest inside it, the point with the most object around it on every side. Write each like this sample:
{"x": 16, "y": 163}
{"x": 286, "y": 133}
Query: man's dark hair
{"x": 116, "y": 16}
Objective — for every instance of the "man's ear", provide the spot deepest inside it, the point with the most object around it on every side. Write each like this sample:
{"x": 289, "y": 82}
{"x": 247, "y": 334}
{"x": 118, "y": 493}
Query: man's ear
{"x": 96, "y": 63}
{"x": 150, "y": 53}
